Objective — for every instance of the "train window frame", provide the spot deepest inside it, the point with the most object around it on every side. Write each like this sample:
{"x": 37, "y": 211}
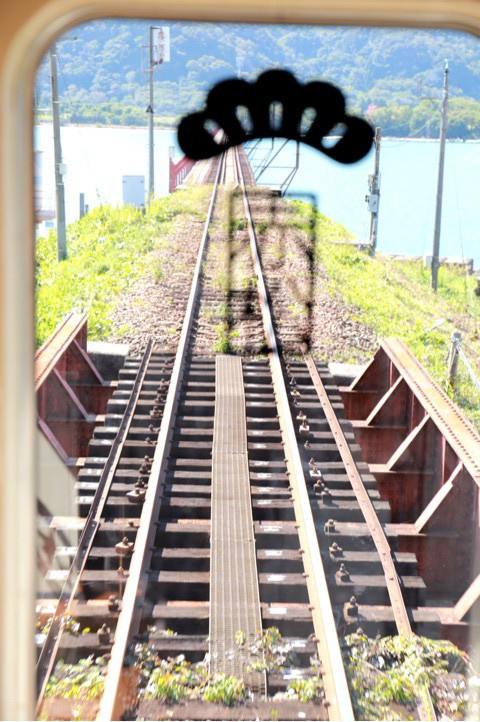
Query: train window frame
{"x": 35, "y": 28}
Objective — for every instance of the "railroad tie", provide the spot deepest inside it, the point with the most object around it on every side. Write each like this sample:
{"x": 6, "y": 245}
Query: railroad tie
{"x": 234, "y": 592}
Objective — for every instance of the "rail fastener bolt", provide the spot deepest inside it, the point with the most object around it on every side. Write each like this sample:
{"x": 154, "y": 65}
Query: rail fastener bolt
{"x": 136, "y": 496}
{"x": 113, "y": 603}
{"x": 342, "y": 575}
{"x": 304, "y": 428}
{"x": 325, "y": 495}
{"x": 350, "y": 609}
{"x": 145, "y": 466}
{"x": 123, "y": 549}
{"x": 103, "y": 634}
{"x": 329, "y": 526}
{"x": 335, "y": 550}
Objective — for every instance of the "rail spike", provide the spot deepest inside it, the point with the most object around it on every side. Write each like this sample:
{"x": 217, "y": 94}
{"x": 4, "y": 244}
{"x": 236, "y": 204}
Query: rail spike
{"x": 274, "y": 86}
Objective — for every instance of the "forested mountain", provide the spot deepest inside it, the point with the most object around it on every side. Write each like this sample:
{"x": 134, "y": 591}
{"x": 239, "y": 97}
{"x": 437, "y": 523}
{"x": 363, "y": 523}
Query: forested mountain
{"x": 390, "y": 74}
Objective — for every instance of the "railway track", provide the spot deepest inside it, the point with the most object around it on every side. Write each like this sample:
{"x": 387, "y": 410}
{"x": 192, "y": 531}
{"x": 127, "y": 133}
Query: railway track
{"x": 225, "y": 493}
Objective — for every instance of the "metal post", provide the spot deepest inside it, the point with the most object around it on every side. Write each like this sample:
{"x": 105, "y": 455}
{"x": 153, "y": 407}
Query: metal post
{"x": 57, "y": 147}
{"x": 82, "y": 205}
{"x": 453, "y": 356}
{"x": 441, "y": 162}
{"x": 151, "y": 179}
{"x": 374, "y": 198}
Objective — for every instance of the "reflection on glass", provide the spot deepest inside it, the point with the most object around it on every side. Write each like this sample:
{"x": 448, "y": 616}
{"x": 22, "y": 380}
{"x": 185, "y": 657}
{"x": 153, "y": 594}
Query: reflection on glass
{"x": 179, "y": 560}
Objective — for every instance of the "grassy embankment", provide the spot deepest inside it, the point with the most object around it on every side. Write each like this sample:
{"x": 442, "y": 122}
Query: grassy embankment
{"x": 395, "y": 299}
{"x": 108, "y": 250}
{"x": 112, "y": 247}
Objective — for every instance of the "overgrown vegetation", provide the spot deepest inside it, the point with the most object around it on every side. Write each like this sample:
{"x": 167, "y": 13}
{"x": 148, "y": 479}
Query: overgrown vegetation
{"x": 386, "y": 676}
{"x": 108, "y": 250}
{"x": 268, "y": 650}
{"x": 175, "y": 678}
{"x": 81, "y": 681}
{"x": 69, "y": 625}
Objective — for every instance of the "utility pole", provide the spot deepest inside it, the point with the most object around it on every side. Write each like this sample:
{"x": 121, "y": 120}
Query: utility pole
{"x": 59, "y": 168}
{"x": 158, "y": 53}
{"x": 373, "y": 199}
{"x": 151, "y": 178}
{"x": 441, "y": 163}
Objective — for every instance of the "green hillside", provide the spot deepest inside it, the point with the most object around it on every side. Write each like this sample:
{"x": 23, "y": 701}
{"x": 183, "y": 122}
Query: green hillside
{"x": 393, "y": 74}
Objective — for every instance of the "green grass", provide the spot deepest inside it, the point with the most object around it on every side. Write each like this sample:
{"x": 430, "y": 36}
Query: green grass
{"x": 395, "y": 299}
{"x": 108, "y": 250}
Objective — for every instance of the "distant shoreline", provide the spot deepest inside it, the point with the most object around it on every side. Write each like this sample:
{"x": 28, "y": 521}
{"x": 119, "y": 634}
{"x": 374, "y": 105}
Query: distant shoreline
{"x": 172, "y": 129}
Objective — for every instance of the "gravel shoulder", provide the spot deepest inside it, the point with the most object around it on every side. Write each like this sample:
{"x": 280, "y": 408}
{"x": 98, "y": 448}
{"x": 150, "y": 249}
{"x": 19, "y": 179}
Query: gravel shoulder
{"x": 154, "y": 306}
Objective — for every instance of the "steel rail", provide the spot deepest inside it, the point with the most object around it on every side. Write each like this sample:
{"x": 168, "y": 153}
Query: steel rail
{"x": 135, "y": 588}
{"x": 333, "y": 670}
{"x": 374, "y": 526}
{"x": 92, "y": 523}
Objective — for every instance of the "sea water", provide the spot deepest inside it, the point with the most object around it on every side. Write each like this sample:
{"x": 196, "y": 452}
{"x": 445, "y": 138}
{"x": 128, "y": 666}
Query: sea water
{"x": 97, "y": 158}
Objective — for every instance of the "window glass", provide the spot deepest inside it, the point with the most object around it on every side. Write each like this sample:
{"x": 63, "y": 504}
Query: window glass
{"x": 372, "y": 285}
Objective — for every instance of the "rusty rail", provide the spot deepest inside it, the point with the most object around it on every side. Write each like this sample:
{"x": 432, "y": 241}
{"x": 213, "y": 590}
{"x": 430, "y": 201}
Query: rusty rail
{"x": 128, "y": 621}
{"x": 50, "y": 647}
{"x": 374, "y": 526}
